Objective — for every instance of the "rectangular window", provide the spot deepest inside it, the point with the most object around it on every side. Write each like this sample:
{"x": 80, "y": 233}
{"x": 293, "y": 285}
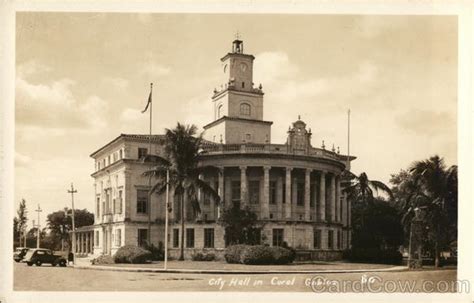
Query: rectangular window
{"x": 107, "y": 202}
{"x": 209, "y": 237}
{"x": 142, "y": 201}
{"x": 115, "y": 157}
{"x": 118, "y": 237}
{"x": 175, "y": 237}
{"x": 142, "y": 152}
{"x": 235, "y": 192}
{"x": 142, "y": 237}
{"x": 273, "y": 192}
{"x": 207, "y": 197}
{"x": 330, "y": 239}
{"x": 311, "y": 195}
{"x": 114, "y": 205}
{"x": 120, "y": 202}
{"x": 190, "y": 237}
{"x": 300, "y": 193}
{"x": 254, "y": 192}
{"x": 317, "y": 238}
{"x": 277, "y": 236}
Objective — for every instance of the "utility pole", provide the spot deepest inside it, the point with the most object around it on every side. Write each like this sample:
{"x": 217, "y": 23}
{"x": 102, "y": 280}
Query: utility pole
{"x": 38, "y": 210}
{"x": 72, "y": 192}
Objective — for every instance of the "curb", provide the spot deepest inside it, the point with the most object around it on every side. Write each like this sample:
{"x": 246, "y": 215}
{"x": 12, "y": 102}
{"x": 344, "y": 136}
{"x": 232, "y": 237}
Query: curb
{"x": 238, "y": 272}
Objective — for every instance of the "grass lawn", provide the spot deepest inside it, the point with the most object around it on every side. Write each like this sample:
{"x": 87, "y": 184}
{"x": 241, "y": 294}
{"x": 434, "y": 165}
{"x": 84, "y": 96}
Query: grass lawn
{"x": 222, "y": 265}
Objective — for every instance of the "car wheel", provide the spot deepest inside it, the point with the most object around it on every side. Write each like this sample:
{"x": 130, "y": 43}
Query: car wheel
{"x": 29, "y": 263}
{"x": 17, "y": 261}
{"x": 38, "y": 263}
{"x": 53, "y": 264}
{"x": 62, "y": 263}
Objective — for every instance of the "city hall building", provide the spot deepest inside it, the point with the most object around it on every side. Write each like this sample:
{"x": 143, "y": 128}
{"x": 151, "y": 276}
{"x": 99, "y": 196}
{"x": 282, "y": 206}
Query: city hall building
{"x": 295, "y": 189}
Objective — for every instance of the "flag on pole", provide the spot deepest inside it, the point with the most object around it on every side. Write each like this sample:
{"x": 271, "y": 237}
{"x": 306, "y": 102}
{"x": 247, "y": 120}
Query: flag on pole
{"x": 147, "y": 104}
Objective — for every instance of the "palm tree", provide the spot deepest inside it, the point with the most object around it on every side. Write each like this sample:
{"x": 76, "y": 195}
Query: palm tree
{"x": 434, "y": 189}
{"x": 182, "y": 149}
{"x": 362, "y": 189}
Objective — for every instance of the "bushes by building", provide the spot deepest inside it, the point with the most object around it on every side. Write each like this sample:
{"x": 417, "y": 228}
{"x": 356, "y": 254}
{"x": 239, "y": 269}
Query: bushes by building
{"x": 204, "y": 257}
{"x": 132, "y": 254}
{"x": 373, "y": 255}
{"x": 258, "y": 255}
{"x": 103, "y": 259}
{"x": 157, "y": 252}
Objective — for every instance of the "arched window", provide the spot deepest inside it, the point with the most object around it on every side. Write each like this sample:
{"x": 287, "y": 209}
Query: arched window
{"x": 219, "y": 111}
{"x": 245, "y": 109}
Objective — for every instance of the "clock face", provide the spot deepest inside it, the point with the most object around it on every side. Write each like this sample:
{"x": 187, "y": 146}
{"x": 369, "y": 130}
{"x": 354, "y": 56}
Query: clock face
{"x": 243, "y": 67}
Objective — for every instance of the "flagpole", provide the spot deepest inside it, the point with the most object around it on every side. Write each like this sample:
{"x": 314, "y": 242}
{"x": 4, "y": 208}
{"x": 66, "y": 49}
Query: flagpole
{"x": 149, "y": 152}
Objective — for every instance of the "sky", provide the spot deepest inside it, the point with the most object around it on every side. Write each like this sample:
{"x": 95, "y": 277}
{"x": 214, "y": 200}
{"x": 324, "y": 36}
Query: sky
{"x": 83, "y": 78}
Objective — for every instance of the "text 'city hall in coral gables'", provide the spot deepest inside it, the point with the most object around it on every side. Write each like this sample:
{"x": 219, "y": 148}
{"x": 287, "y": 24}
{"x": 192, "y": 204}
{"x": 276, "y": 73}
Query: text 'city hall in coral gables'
{"x": 296, "y": 189}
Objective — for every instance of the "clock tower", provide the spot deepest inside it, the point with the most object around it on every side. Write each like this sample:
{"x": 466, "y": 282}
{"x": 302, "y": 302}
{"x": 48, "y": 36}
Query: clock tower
{"x": 238, "y": 105}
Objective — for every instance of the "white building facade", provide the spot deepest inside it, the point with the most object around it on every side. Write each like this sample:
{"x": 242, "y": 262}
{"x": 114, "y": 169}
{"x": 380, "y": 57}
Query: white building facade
{"x": 294, "y": 188}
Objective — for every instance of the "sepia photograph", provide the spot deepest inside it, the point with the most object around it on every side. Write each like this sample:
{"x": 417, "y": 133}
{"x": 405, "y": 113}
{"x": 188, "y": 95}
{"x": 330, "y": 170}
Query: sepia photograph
{"x": 175, "y": 152}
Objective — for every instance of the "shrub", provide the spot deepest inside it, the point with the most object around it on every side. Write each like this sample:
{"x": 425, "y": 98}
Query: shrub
{"x": 157, "y": 253}
{"x": 282, "y": 255}
{"x": 132, "y": 254}
{"x": 204, "y": 257}
{"x": 257, "y": 255}
{"x": 103, "y": 259}
{"x": 233, "y": 252}
{"x": 374, "y": 255}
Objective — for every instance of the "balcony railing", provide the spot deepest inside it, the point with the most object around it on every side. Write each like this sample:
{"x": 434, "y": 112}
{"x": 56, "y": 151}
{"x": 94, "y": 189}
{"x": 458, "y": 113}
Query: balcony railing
{"x": 283, "y": 149}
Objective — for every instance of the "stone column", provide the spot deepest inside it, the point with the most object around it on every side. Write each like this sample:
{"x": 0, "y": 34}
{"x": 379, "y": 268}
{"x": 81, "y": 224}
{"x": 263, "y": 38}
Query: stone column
{"x": 333, "y": 197}
{"x": 243, "y": 187}
{"x": 338, "y": 199}
{"x": 288, "y": 193}
{"x": 279, "y": 201}
{"x": 315, "y": 202}
{"x": 220, "y": 191}
{"x": 307, "y": 196}
{"x": 265, "y": 206}
{"x": 212, "y": 203}
{"x": 200, "y": 199}
{"x": 87, "y": 242}
{"x": 322, "y": 196}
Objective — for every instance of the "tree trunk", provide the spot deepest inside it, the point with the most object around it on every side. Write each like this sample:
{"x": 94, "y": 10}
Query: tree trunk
{"x": 181, "y": 256}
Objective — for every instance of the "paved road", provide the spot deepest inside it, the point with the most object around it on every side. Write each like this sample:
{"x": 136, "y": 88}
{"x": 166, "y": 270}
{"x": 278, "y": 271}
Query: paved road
{"x": 49, "y": 278}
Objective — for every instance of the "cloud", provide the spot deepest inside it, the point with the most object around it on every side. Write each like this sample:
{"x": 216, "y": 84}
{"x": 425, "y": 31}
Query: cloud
{"x": 131, "y": 115}
{"x": 53, "y": 105}
{"x": 22, "y": 160}
{"x": 154, "y": 70}
{"x": 116, "y": 82}
{"x": 427, "y": 122}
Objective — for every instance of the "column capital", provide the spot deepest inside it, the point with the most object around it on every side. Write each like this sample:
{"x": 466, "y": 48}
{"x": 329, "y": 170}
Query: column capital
{"x": 323, "y": 172}
{"x": 243, "y": 167}
{"x": 267, "y": 168}
{"x": 221, "y": 169}
{"x": 308, "y": 171}
{"x": 289, "y": 168}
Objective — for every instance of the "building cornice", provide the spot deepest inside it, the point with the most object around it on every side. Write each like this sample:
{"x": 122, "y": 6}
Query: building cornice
{"x": 224, "y": 118}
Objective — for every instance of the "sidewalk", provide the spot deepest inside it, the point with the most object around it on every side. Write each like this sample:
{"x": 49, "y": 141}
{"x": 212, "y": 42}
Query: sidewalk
{"x": 216, "y": 267}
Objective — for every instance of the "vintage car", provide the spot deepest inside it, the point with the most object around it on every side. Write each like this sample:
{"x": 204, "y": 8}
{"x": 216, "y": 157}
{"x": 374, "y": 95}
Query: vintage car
{"x": 39, "y": 256}
{"x": 19, "y": 253}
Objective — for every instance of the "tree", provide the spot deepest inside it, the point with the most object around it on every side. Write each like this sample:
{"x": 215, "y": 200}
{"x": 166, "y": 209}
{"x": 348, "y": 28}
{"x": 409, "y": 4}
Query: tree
{"x": 362, "y": 189}
{"x": 60, "y": 224}
{"x": 241, "y": 226}
{"x": 431, "y": 187}
{"x": 182, "y": 148}
{"x": 21, "y": 221}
